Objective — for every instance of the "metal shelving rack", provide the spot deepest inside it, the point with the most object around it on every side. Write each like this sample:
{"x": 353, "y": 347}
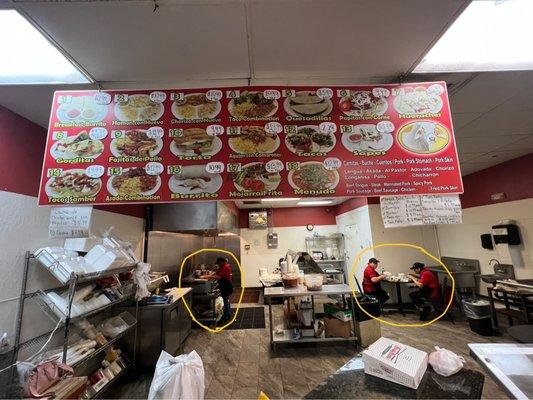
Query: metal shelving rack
{"x": 73, "y": 282}
{"x": 335, "y": 242}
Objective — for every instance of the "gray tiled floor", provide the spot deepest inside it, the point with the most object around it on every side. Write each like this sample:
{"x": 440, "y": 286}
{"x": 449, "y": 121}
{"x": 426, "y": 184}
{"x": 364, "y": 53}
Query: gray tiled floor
{"x": 239, "y": 363}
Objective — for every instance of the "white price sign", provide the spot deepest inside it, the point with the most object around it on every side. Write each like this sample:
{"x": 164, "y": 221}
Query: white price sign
{"x": 214, "y": 95}
{"x": 385, "y": 127}
{"x": 70, "y": 222}
{"x": 273, "y": 128}
{"x": 102, "y": 98}
{"x": 215, "y": 167}
{"x": 332, "y": 163}
{"x": 98, "y": 133}
{"x": 154, "y": 168}
{"x": 380, "y": 92}
{"x": 215, "y": 130}
{"x": 158, "y": 97}
{"x": 271, "y": 94}
{"x": 155, "y": 132}
{"x": 435, "y": 90}
{"x": 274, "y": 166}
{"x": 327, "y": 128}
{"x": 324, "y": 93}
{"x": 94, "y": 171}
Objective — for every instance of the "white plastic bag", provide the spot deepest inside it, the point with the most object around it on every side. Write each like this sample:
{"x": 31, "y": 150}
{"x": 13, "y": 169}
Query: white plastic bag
{"x": 445, "y": 362}
{"x": 180, "y": 377}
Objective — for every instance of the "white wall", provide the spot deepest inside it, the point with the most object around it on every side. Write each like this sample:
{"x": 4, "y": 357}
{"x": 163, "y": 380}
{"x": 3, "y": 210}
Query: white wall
{"x": 463, "y": 240}
{"x": 24, "y": 226}
{"x": 357, "y": 231}
{"x": 260, "y": 256}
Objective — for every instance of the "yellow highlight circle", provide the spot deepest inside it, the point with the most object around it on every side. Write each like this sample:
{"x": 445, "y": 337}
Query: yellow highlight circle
{"x": 218, "y": 329}
{"x": 422, "y": 250}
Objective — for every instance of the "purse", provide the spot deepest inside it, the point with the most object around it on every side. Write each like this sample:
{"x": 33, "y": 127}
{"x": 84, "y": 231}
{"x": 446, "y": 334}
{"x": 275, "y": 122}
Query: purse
{"x": 43, "y": 377}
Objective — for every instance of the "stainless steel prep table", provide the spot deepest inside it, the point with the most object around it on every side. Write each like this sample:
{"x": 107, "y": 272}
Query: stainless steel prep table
{"x": 327, "y": 290}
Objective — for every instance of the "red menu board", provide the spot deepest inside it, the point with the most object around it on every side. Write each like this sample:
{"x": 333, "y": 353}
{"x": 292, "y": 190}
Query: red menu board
{"x": 150, "y": 146}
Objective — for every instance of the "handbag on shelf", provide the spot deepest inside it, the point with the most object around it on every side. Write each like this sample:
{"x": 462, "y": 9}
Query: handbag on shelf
{"x": 45, "y": 376}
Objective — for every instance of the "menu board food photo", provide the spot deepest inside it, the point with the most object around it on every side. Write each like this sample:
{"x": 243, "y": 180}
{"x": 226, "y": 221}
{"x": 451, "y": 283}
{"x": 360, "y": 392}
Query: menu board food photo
{"x": 150, "y": 146}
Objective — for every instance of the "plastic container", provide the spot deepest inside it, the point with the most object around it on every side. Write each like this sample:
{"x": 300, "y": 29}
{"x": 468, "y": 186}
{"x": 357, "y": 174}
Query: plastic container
{"x": 314, "y": 281}
{"x": 481, "y": 326}
{"x": 290, "y": 280}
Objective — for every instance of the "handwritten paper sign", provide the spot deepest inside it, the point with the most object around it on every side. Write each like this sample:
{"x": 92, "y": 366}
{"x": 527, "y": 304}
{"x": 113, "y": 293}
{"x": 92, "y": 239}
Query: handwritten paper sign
{"x": 398, "y": 211}
{"x": 70, "y": 222}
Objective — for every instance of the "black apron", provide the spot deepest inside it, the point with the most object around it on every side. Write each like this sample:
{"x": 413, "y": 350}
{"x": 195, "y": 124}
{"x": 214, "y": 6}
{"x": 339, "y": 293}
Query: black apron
{"x": 225, "y": 286}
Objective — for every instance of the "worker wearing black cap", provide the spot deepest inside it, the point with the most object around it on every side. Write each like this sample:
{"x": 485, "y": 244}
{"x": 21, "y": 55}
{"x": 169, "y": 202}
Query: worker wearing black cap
{"x": 372, "y": 281}
{"x": 428, "y": 289}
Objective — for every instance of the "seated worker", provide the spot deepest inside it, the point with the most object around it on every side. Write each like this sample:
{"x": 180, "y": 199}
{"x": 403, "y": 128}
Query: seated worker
{"x": 428, "y": 289}
{"x": 372, "y": 282}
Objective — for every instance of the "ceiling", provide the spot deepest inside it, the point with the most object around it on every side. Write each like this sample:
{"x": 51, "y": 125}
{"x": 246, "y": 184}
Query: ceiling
{"x": 208, "y": 43}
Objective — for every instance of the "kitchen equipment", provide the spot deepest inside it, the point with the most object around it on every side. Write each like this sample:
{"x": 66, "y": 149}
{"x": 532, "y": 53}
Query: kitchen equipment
{"x": 314, "y": 281}
{"x": 334, "y": 276}
{"x": 501, "y": 272}
{"x": 318, "y": 255}
{"x": 290, "y": 280}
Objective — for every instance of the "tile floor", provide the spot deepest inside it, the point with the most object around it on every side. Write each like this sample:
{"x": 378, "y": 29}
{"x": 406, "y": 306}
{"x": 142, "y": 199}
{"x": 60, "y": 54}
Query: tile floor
{"x": 239, "y": 363}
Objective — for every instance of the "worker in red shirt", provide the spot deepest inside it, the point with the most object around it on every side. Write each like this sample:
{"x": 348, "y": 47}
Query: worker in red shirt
{"x": 428, "y": 289}
{"x": 225, "y": 284}
{"x": 372, "y": 281}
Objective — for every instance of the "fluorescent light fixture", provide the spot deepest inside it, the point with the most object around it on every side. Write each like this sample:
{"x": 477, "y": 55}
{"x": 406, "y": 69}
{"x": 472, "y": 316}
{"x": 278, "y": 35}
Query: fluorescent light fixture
{"x": 314, "y": 202}
{"x": 278, "y": 200}
{"x": 27, "y": 57}
{"x": 490, "y": 35}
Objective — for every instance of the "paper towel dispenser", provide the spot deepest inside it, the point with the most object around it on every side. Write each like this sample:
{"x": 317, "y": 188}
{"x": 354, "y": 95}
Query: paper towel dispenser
{"x": 506, "y": 233}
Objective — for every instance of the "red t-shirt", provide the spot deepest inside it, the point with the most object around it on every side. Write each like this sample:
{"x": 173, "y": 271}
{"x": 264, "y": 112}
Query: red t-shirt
{"x": 368, "y": 285}
{"x": 429, "y": 280}
{"x": 224, "y": 272}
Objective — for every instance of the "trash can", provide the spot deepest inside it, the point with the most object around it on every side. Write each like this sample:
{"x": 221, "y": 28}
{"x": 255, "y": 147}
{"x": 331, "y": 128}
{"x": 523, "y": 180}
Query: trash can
{"x": 370, "y": 305}
{"x": 479, "y": 318}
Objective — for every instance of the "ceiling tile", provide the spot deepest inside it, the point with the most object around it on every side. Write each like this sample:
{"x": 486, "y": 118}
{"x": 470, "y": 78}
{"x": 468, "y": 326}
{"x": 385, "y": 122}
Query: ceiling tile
{"x": 485, "y": 144}
{"x": 468, "y": 168}
{"x": 488, "y": 90}
{"x": 466, "y": 157}
{"x": 127, "y": 41}
{"x": 524, "y": 143}
{"x": 497, "y": 124}
{"x": 344, "y": 38}
{"x": 497, "y": 157}
{"x": 522, "y": 101}
{"x": 461, "y": 119}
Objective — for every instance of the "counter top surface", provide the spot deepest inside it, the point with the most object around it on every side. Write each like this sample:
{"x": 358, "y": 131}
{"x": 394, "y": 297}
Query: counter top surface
{"x": 176, "y": 293}
{"x": 301, "y": 290}
{"x": 351, "y": 382}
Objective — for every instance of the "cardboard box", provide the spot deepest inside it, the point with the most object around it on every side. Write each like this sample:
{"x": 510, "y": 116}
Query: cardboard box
{"x": 336, "y": 328}
{"x": 367, "y": 331}
{"x": 333, "y": 310}
{"x": 395, "y": 362}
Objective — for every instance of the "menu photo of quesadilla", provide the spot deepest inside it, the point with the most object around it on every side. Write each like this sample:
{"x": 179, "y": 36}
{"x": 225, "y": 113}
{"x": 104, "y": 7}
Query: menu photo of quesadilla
{"x": 307, "y": 104}
{"x": 423, "y": 137}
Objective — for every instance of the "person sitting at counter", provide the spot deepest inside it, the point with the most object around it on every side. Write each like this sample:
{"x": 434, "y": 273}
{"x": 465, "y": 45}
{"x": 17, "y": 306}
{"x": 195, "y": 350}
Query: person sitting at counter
{"x": 372, "y": 282}
{"x": 428, "y": 289}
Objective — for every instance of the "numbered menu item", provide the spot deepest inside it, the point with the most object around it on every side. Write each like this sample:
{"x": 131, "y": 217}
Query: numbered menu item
{"x": 194, "y": 179}
{"x": 135, "y": 143}
{"x": 250, "y": 105}
{"x": 306, "y": 103}
{"x": 254, "y": 177}
{"x": 137, "y": 108}
{"x": 80, "y": 109}
{"x": 363, "y": 104}
{"x": 73, "y": 183}
{"x": 195, "y": 142}
{"x": 366, "y": 138}
{"x": 253, "y": 140}
{"x": 133, "y": 182}
{"x": 313, "y": 176}
{"x": 195, "y": 106}
{"x": 418, "y": 100}
{"x": 78, "y": 146}
{"x": 423, "y": 137}
{"x": 308, "y": 140}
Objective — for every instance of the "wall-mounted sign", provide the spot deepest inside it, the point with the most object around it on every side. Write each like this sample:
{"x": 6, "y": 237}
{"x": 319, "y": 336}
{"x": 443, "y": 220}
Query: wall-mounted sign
{"x": 70, "y": 222}
{"x": 150, "y": 146}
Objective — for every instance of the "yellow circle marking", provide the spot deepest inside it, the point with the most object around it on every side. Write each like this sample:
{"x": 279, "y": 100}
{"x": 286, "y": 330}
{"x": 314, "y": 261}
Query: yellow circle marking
{"x": 422, "y": 250}
{"x": 218, "y": 329}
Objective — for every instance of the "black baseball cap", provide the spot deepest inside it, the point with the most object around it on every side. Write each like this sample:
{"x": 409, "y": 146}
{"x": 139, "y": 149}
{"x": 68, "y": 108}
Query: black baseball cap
{"x": 373, "y": 261}
{"x": 417, "y": 265}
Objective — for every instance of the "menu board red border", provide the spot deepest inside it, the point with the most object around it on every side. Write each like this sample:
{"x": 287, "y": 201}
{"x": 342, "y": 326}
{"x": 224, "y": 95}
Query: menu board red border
{"x": 169, "y": 145}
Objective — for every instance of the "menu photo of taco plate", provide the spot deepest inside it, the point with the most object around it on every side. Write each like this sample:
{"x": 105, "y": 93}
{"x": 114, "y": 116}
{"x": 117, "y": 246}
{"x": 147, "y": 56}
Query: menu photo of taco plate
{"x": 133, "y": 181}
{"x": 194, "y": 179}
{"x": 308, "y": 140}
{"x": 254, "y": 178}
{"x": 252, "y": 140}
{"x": 72, "y": 183}
{"x": 195, "y": 143}
{"x": 79, "y": 146}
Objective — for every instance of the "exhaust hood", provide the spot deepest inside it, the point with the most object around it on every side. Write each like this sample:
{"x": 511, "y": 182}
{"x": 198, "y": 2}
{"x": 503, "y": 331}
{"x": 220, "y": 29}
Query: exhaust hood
{"x": 206, "y": 218}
